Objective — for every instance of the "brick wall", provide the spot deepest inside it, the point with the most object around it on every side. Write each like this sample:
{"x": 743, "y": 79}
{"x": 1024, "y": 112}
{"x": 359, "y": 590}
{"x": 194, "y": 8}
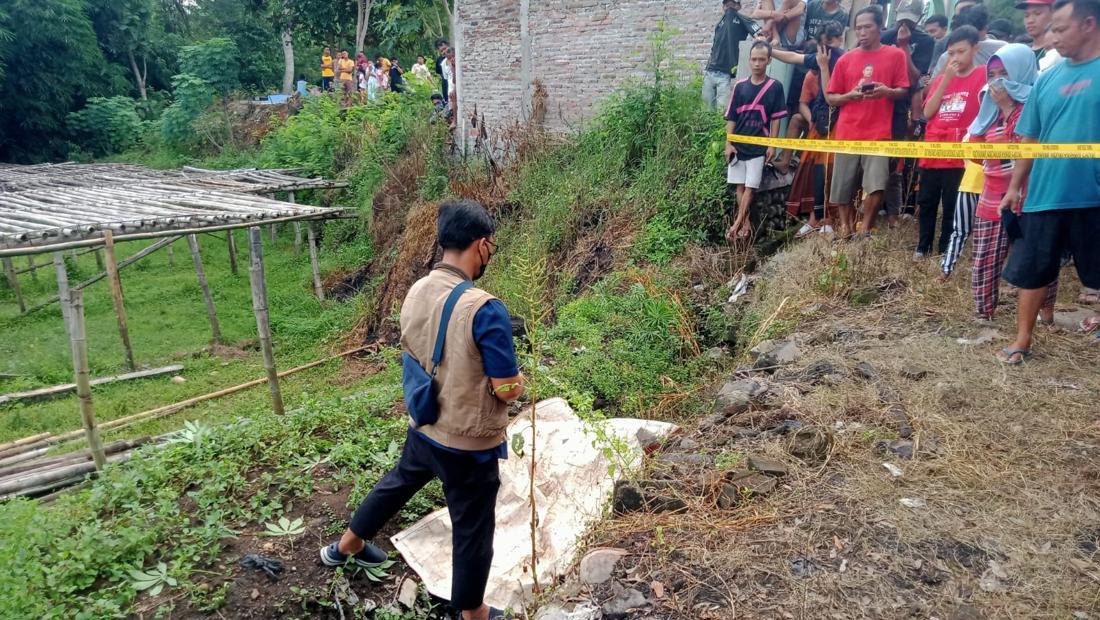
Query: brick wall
{"x": 580, "y": 50}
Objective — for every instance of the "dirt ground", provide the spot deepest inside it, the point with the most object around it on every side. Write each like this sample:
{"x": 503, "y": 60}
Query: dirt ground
{"x": 936, "y": 481}
{"x": 908, "y": 473}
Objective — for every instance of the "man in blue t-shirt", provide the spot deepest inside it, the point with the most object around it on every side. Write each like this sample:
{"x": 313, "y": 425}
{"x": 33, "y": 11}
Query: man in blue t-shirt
{"x": 1061, "y": 209}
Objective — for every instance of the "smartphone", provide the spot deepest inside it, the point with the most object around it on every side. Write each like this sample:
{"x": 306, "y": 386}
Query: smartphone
{"x": 868, "y": 87}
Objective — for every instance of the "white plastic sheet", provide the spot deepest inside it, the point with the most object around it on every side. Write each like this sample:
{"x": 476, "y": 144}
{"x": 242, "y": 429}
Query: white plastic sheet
{"x": 572, "y": 489}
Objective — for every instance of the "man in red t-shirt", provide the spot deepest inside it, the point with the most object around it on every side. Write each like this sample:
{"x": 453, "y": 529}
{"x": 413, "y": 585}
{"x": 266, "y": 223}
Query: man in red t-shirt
{"x": 950, "y": 107}
{"x": 865, "y": 84}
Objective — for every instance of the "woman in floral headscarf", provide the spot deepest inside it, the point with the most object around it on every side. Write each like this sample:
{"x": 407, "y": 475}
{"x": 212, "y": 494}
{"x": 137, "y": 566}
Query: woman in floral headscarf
{"x": 1010, "y": 74}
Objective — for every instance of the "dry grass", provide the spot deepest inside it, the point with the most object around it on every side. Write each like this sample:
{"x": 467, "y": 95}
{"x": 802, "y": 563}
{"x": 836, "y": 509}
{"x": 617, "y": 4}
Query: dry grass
{"x": 1007, "y": 464}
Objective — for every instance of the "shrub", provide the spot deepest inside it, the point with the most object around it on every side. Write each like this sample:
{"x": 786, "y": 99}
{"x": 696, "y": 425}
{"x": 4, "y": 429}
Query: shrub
{"x": 106, "y": 125}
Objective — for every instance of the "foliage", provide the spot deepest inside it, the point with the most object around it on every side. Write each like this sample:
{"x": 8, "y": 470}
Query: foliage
{"x": 215, "y": 62}
{"x": 193, "y": 95}
{"x": 52, "y": 66}
{"x": 132, "y": 514}
{"x": 284, "y": 527}
{"x": 106, "y": 125}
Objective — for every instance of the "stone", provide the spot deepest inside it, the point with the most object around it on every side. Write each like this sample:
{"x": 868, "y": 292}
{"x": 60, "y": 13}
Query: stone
{"x": 743, "y": 485}
{"x": 598, "y": 565}
{"x": 865, "y": 370}
{"x": 811, "y": 444}
{"x": 901, "y": 448}
{"x": 406, "y": 594}
{"x": 785, "y": 426}
{"x": 551, "y": 612}
{"x": 255, "y": 594}
{"x": 178, "y": 379}
{"x": 743, "y": 432}
{"x": 767, "y": 466}
{"x": 965, "y": 612}
{"x": 734, "y": 396}
{"x": 622, "y": 603}
{"x": 717, "y": 354}
{"x": 817, "y": 372}
{"x": 627, "y": 498}
{"x": 688, "y": 443}
{"x": 772, "y": 353}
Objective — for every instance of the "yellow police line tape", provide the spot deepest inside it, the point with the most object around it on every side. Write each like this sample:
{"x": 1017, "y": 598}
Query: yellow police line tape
{"x": 931, "y": 150}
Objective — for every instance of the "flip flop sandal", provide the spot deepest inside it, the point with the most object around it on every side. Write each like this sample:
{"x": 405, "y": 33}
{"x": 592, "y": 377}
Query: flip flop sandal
{"x": 1050, "y": 325}
{"x": 1007, "y": 355}
{"x": 804, "y": 231}
{"x": 1090, "y": 324}
{"x": 1088, "y": 298}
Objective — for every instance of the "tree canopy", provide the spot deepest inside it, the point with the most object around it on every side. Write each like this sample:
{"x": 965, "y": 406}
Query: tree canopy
{"x": 170, "y": 57}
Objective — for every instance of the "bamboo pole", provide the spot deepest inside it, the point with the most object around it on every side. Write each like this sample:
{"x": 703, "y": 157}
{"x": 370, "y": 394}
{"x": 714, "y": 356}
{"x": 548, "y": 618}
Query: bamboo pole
{"x": 99, "y": 258}
{"x": 33, "y": 268}
{"x": 297, "y": 226}
{"x": 36, "y": 441}
{"x": 232, "y": 243}
{"x": 259, "y": 306}
{"x": 196, "y": 257}
{"x": 78, "y": 338}
{"x": 122, "y": 264}
{"x": 313, "y": 264}
{"x": 55, "y": 391}
{"x": 116, "y": 296}
{"x": 13, "y": 282}
{"x": 62, "y": 286}
{"x": 271, "y": 231}
{"x": 171, "y": 256}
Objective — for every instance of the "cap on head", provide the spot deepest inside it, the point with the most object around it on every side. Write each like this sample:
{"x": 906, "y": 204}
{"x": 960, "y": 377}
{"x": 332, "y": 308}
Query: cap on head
{"x": 1030, "y": 3}
{"x": 911, "y": 10}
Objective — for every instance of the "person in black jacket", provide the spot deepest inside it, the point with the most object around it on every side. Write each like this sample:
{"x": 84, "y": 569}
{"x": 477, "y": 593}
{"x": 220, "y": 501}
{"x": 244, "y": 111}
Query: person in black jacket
{"x": 728, "y": 34}
{"x": 442, "y": 45}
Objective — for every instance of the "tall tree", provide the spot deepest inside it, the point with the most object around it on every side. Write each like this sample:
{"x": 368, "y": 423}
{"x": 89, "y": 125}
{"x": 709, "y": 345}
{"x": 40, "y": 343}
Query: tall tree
{"x": 125, "y": 31}
{"x": 53, "y": 66}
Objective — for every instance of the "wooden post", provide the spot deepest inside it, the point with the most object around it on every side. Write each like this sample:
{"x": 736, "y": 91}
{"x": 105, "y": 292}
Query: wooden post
{"x": 297, "y": 227}
{"x": 13, "y": 282}
{"x": 62, "y": 285}
{"x": 317, "y": 288}
{"x": 193, "y": 243}
{"x": 232, "y": 243}
{"x": 116, "y": 296}
{"x": 99, "y": 259}
{"x": 259, "y": 306}
{"x": 78, "y": 338}
{"x": 32, "y": 267}
{"x": 171, "y": 256}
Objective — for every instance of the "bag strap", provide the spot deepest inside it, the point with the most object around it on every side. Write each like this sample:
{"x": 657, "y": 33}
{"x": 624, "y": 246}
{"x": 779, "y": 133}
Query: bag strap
{"x": 445, "y": 319}
{"x": 763, "y": 90}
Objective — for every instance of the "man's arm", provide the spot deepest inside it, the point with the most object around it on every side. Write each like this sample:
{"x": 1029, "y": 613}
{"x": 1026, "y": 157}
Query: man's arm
{"x": 492, "y": 329}
{"x": 730, "y": 126}
{"x": 789, "y": 57}
{"x": 508, "y": 389}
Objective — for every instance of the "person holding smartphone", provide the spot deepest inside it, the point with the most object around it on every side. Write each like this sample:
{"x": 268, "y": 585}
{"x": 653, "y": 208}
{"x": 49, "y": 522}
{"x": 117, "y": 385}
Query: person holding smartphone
{"x": 865, "y": 84}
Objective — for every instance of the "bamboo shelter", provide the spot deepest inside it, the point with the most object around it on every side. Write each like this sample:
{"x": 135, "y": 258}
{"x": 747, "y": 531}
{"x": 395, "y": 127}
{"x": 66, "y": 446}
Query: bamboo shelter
{"x": 61, "y": 208}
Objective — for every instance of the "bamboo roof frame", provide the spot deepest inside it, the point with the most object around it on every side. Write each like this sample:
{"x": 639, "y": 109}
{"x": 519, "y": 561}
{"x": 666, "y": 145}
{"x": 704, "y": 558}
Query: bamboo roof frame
{"x": 71, "y": 205}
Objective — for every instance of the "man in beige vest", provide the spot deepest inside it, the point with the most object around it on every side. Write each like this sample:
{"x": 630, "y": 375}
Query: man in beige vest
{"x": 476, "y": 379}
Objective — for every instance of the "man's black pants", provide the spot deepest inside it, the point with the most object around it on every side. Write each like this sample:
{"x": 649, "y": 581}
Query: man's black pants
{"x": 471, "y": 491}
{"x": 937, "y": 185}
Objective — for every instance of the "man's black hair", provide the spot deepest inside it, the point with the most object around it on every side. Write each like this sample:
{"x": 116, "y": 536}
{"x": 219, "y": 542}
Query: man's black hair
{"x": 977, "y": 16}
{"x": 1082, "y": 9}
{"x": 301, "y": 77}
{"x": 937, "y": 19}
{"x": 760, "y": 43}
{"x": 830, "y": 30}
{"x": 441, "y": 41}
{"x": 963, "y": 33}
{"x": 437, "y": 97}
{"x": 1002, "y": 28}
{"x": 875, "y": 11}
{"x": 462, "y": 222}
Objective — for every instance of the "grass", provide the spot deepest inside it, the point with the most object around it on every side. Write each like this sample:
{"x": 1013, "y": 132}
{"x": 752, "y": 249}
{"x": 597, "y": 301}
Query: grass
{"x": 168, "y": 323}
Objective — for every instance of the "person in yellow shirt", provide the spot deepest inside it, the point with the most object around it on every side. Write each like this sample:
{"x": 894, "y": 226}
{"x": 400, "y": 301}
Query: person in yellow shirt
{"x": 327, "y": 72}
{"x": 345, "y": 67}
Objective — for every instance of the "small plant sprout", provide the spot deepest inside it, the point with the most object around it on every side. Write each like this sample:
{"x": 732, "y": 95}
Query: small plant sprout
{"x": 152, "y": 580}
{"x": 284, "y": 527}
{"x": 192, "y": 432}
{"x": 378, "y": 573}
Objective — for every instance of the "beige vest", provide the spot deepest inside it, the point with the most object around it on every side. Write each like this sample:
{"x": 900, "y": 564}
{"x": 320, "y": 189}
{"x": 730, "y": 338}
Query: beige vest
{"x": 470, "y": 416}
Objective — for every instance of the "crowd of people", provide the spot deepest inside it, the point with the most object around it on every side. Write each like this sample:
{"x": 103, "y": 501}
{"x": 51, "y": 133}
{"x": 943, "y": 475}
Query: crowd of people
{"x": 967, "y": 79}
{"x": 365, "y": 80}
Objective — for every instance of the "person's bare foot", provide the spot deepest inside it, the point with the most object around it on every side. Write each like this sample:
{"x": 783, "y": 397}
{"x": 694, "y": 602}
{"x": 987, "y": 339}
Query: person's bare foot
{"x": 943, "y": 278}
